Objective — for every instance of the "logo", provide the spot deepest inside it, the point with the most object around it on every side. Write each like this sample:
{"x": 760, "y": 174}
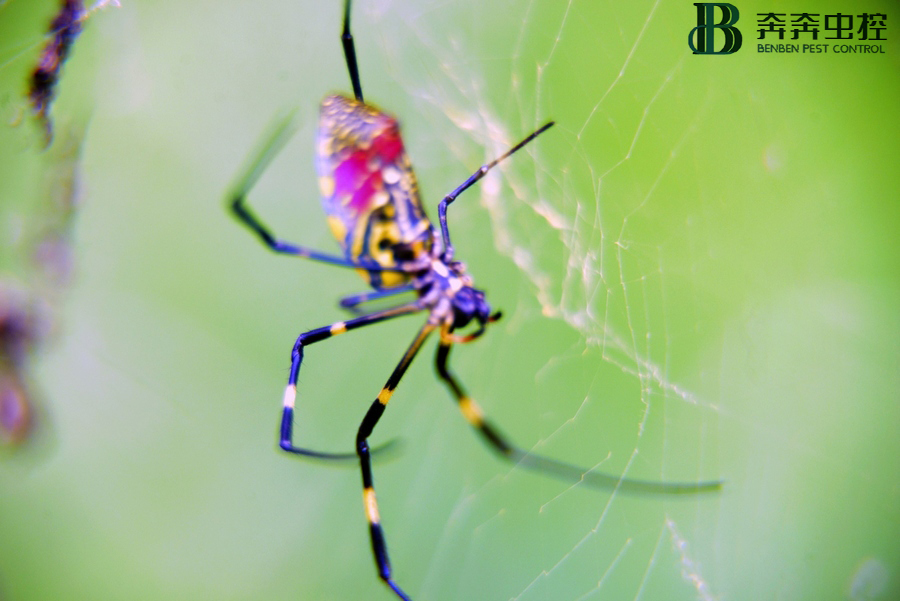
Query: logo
{"x": 706, "y": 28}
{"x": 798, "y": 33}
{"x": 788, "y": 33}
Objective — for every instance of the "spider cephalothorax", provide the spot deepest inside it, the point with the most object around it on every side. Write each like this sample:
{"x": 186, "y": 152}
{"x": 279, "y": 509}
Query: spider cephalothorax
{"x": 446, "y": 291}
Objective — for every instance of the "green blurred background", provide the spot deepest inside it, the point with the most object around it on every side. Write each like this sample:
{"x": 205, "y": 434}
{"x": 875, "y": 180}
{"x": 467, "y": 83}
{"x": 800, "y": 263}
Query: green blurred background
{"x": 698, "y": 268}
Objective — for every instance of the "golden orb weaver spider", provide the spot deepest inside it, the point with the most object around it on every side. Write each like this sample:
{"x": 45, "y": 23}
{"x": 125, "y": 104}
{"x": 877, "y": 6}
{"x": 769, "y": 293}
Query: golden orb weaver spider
{"x": 372, "y": 203}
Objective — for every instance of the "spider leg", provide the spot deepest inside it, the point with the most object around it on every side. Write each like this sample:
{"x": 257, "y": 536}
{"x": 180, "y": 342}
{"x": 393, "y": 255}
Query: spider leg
{"x": 354, "y": 300}
{"x": 273, "y": 142}
{"x": 350, "y": 54}
{"x": 379, "y": 546}
{"x": 317, "y": 335}
{"x": 482, "y": 171}
{"x": 565, "y": 471}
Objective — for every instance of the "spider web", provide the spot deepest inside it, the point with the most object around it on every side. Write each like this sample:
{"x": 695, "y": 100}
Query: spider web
{"x": 588, "y": 256}
{"x": 617, "y": 223}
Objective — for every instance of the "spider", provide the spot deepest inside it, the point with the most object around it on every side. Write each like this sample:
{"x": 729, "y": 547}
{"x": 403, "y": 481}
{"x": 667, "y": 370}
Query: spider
{"x": 373, "y": 208}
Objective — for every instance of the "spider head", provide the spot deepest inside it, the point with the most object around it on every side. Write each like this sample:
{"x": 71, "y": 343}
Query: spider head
{"x": 469, "y": 304}
{"x": 447, "y": 289}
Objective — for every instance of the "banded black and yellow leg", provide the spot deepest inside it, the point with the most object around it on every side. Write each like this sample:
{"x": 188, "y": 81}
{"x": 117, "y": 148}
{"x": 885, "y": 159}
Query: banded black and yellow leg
{"x": 471, "y": 180}
{"x": 379, "y": 546}
{"x": 350, "y": 54}
{"x": 559, "y": 469}
{"x": 274, "y": 140}
{"x": 317, "y": 335}
{"x": 352, "y": 302}
{"x": 272, "y": 143}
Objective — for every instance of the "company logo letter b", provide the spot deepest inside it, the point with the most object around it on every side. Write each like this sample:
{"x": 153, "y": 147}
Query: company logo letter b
{"x": 706, "y": 28}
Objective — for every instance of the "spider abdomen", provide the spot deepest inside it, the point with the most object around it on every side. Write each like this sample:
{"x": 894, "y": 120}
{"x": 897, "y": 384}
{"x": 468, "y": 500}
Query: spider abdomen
{"x": 369, "y": 190}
